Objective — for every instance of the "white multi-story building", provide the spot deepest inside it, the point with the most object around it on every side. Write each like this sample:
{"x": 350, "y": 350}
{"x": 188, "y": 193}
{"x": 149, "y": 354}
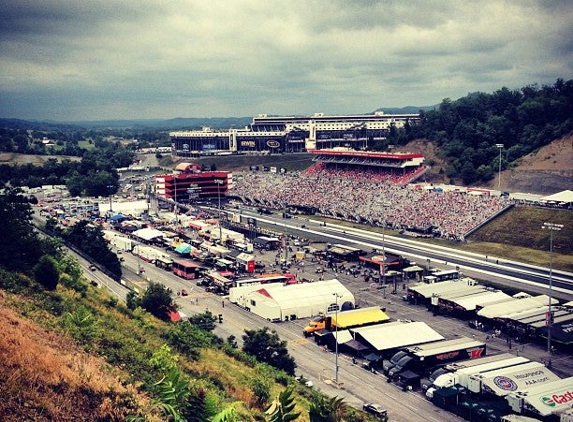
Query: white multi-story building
{"x": 278, "y": 134}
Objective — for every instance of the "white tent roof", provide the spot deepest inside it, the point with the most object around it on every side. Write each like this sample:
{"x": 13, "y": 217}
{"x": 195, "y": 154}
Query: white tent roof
{"x": 427, "y": 290}
{"x": 398, "y": 334}
{"x": 148, "y": 234}
{"x": 470, "y": 303}
{"x": 317, "y": 295}
{"x": 513, "y": 306}
{"x": 564, "y": 196}
{"x": 343, "y": 336}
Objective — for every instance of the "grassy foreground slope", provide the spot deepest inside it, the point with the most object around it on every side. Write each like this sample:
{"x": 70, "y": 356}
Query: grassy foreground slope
{"x": 77, "y": 354}
{"x": 46, "y": 376}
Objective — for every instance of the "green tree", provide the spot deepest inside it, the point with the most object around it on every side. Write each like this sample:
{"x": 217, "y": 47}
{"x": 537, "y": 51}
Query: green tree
{"x": 261, "y": 386}
{"x": 132, "y": 300}
{"x": 90, "y": 240}
{"x": 267, "y": 347}
{"x": 204, "y": 321}
{"x": 281, "y": 410}
{"x": 46, "y": 272}
{"x": 20, "y": 246}
{"x": 157, "y": 301}
{"x": 324, "y": 409}
{"x": 188, "y": 339}
{"x": 82, "y": 325}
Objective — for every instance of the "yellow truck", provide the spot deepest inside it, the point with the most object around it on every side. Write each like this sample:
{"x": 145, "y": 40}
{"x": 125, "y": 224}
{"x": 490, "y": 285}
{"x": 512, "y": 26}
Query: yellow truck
{"x": 346, "y": 319}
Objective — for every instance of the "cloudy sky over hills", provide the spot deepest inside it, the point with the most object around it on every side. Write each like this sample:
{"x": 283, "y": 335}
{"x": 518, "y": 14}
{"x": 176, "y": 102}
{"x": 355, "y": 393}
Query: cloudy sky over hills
{"x": 123, "y": 59}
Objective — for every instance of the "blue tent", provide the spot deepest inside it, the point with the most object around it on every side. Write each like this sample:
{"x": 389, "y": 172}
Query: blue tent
{"x": 118, "y": 218}
{"x": 183, "y": 248}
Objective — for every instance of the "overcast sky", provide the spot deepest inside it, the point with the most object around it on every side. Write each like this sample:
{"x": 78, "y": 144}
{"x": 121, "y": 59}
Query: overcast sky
{"x": 73, "y": 60}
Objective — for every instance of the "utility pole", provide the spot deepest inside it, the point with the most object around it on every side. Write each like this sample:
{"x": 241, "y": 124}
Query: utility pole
{"x": 336, "y": 297}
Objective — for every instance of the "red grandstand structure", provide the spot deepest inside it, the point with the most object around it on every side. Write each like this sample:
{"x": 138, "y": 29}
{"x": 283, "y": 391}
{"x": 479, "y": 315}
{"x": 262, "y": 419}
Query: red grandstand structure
{"x": 400, "y": 168}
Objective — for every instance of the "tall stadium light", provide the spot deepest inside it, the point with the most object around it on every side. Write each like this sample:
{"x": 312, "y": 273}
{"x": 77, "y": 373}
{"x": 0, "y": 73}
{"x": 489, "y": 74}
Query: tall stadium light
{"x": 383, "y": 275}
{"x": 552, "y": 227}
{"x": 110, "y": 188}
{"x": 336, "y": 297}
{"x": 219, "y": 182}
{"x": 175, "y": 196}
{"x": 500, "y": 147}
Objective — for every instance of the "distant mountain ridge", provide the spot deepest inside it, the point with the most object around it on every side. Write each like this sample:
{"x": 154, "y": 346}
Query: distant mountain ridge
{"x": 177, "y": 123}
{"x": 407, "y": 109}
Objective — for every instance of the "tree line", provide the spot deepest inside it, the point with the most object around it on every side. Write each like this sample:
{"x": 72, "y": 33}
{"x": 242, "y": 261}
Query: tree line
{"x": 467, "y": 130}
{"x": 94, "y": 175}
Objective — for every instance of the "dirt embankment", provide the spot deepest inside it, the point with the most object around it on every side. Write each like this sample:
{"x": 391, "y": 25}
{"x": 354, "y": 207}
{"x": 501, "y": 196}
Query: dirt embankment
{"x": 546, "y": 171}
{"x": 14, "y": 158}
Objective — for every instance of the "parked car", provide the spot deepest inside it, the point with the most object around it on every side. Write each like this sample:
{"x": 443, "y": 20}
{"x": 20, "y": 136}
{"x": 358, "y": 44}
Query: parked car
{"x": 374, "y": 409}
{"x": 303, "y": 380}
{"x": 93, "y": 267}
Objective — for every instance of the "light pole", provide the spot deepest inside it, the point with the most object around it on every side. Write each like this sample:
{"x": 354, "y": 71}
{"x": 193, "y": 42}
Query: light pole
{"x": 500, "y": 147}
{"x": 552, "y": 227}
{"x": 110, "y": 188}
{"x": 175, "y": 196}
{"x": 336, "y": 297}
{"x": 219, "y": 182}
{"x": 384, "y": 206}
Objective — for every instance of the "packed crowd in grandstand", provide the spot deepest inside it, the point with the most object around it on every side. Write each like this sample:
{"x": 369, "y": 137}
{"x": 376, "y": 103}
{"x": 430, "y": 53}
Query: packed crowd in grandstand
{"x": 372, "y": 197}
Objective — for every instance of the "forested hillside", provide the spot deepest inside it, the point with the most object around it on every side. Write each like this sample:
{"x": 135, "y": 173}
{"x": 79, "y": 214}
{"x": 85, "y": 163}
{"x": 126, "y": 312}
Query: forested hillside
{"x": 466, "y": 131}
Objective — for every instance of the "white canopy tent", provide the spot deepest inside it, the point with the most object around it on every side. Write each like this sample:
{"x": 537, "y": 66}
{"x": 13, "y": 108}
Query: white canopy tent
{"x": 564, "y": 196}
{"x": 148, "y": 234}
{"x": 278, "y": 302}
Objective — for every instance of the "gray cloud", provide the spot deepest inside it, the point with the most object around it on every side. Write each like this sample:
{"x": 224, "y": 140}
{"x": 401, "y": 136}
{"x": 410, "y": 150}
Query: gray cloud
{"x": 70, "y": 60}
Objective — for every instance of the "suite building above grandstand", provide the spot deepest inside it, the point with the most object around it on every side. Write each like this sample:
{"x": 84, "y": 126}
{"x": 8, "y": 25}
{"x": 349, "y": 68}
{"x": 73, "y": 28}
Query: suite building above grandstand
{"x": 279, "y": 134}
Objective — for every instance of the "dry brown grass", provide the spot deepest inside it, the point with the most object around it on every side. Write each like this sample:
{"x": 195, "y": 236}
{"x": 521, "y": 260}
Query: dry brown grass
{"x": 45, "y": 377}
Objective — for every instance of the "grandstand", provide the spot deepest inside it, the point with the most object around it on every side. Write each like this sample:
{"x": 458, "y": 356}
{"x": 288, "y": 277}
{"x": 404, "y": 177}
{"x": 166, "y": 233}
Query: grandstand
{"x": 399, "y": 168}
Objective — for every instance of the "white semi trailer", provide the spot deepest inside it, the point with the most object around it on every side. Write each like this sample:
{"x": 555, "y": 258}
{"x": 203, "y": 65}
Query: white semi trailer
{"x": 462, "y": 376}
